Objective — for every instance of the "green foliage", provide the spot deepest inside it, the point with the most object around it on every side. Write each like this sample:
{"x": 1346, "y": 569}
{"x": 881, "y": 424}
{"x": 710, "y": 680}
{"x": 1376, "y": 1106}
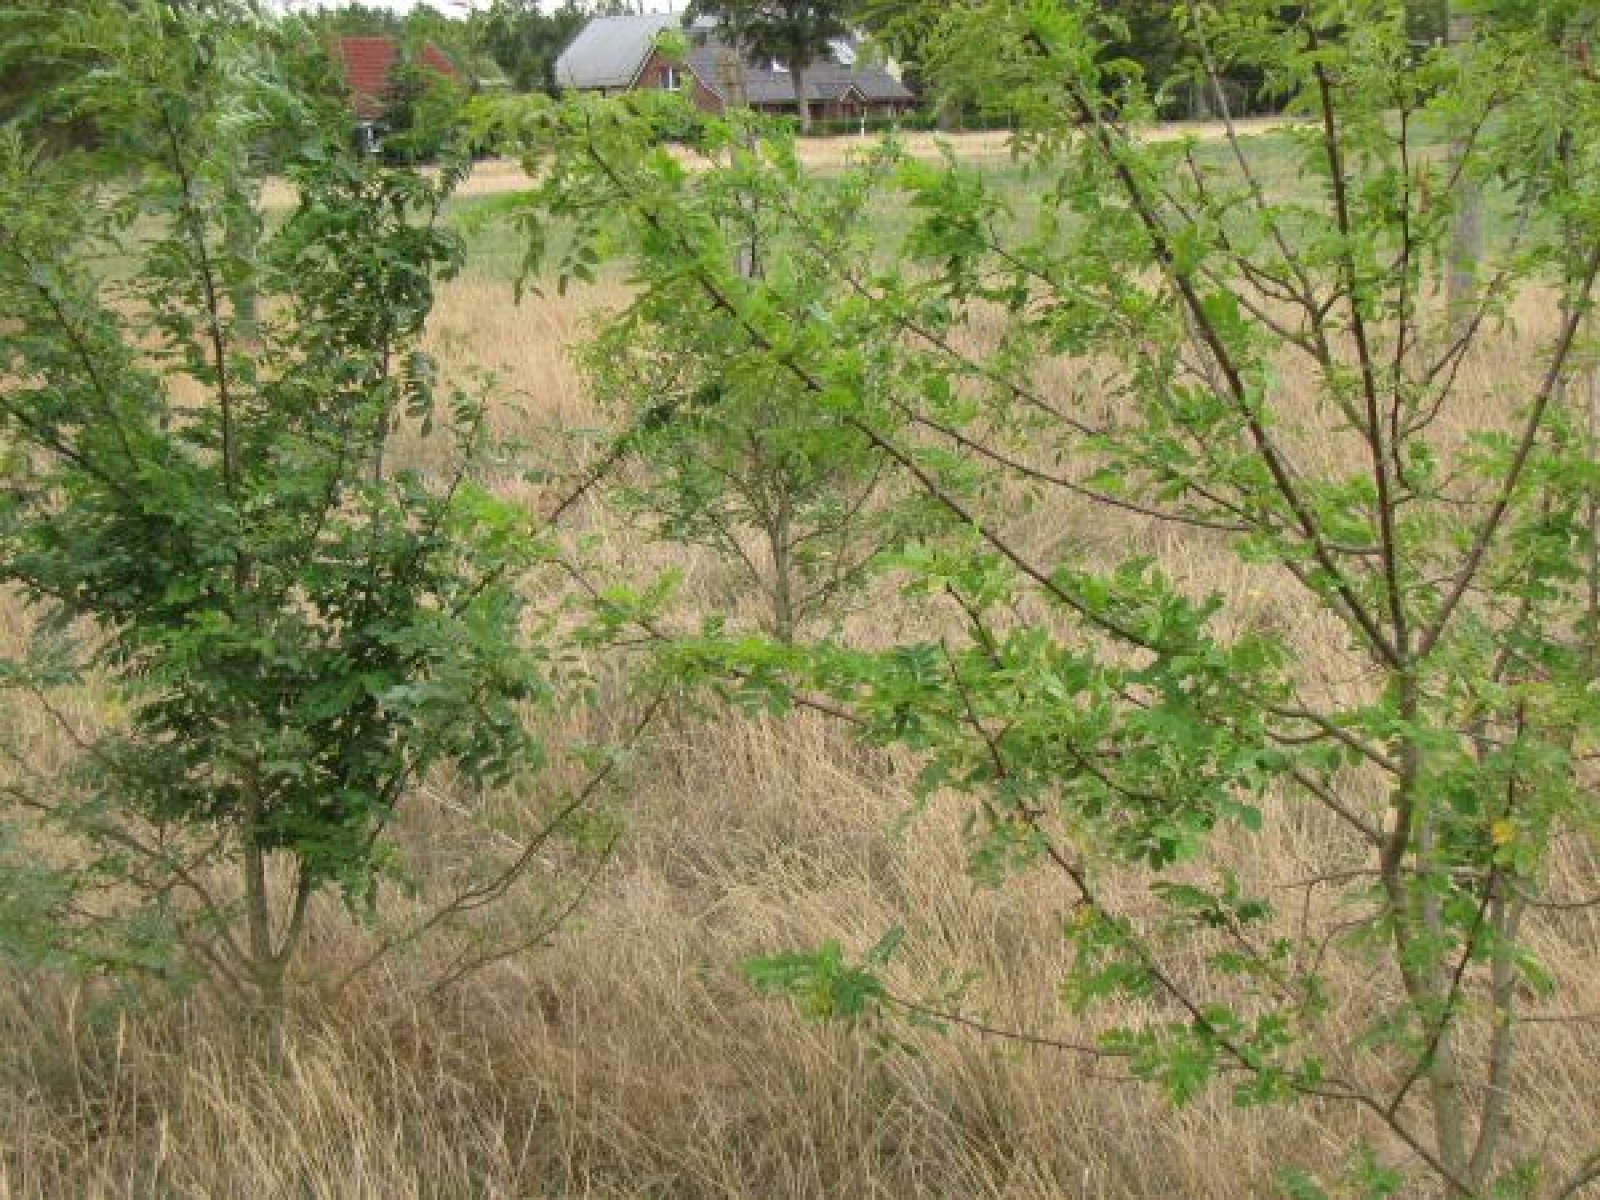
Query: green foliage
{"x": 852, "y": 127}
{"x": 1248, "y": 361}
{"x": 742, "y": 462}
{"x": 1365, "y": 1176}
{"x": 34, "y": 62}
{"x": 424, "y": 112}
{"x": 351, "y": 18}
{"x": 825, "y": 987}
{"x": 284, "y": 632}
{"x": 822, "y": 983}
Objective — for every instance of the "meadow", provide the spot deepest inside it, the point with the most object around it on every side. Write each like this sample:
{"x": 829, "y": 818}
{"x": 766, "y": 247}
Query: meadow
{"x": 625, "y": 1055}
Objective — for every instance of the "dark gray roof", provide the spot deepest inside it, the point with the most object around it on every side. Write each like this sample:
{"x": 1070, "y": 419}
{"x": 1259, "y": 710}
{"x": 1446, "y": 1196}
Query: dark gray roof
{"x": 828, "y": 79}
{"x": 609, "y": 52}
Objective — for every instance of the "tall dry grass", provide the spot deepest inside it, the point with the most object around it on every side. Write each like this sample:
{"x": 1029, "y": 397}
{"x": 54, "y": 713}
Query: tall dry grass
{"x": 627, "y": 1057}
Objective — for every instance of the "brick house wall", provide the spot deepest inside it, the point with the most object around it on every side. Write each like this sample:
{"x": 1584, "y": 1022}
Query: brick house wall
{"x": 654, "y": 74}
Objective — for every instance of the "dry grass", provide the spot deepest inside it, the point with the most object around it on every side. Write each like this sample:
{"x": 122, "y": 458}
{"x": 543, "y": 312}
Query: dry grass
{"x": 629, "y": 1058}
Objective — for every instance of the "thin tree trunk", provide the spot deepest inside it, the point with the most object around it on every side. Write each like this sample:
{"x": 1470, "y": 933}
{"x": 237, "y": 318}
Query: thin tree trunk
{"x": 1591, "y": 635}
{"x": 1495, "y": 1119}
{"x": 1444, "y": 1069}
{"x": 266, "y": 971}
{"x": 797, "y": 75}
{"x": 781, "y": 546}
{"x": 1417, "y": 923}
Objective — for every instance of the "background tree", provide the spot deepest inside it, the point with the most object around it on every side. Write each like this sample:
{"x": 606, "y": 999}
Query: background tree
{"x": 1138, "y": 31}
{"x": 356, "y": 19}
{"x": 742, "y": 463}
{"x": 457, "y": 34}
{"x": 424, "y": 107}
{"x": 1427, "y": 20}
{"x": 793, "y": 33}
{"x": 525, "y": 40}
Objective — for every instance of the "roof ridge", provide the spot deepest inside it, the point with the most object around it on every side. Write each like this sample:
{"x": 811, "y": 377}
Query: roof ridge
{"x": 609, "y": 53}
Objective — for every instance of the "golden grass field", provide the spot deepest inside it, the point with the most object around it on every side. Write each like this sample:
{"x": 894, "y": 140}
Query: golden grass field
{"x": 628, "y": 1057}
{"x": 495, "y": 177}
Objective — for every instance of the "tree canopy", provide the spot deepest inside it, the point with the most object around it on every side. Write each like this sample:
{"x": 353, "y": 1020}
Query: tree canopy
{"x": 794, "y": 33}
{"x": 525, "y": 40}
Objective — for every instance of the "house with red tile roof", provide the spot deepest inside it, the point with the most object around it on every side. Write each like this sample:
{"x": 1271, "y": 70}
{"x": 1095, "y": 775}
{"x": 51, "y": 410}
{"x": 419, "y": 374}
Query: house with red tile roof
{"x": 368, "y": 65}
